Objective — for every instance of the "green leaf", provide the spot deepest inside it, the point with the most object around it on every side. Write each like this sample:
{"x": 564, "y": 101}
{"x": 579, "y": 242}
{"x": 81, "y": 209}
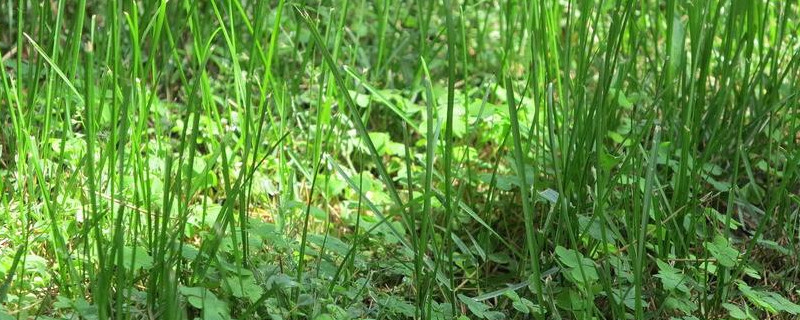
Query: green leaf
{"x": 623, "y": 100}
{"x": 721, "y": 249}
{"x": 79, "y": 305}
{"x": 399, "y": 307}
{"x": 580, "y": 270}
{"x": 721, "y": 186}
{"x": 550, "y": 195}
{"x": 677, "y": 44}
{"x": 769, "y": 301}
{"x": 4, "y": 315}
{"x": 780, "y": 302}
{"x": 617, "y": 138}
{"x": 136, "y": 259}
{"x": 733, "y": 225}
{"x": 572, "y": 300}
{"x": 85, "y": 309}
{"x": 479, "y": 309}
{"x": 625, "y": 295}
{"x": 318, "y": 213}
{"x": 709, "y": 266}
{"x": 681, "y": 304}
{"x": 282, "y": 281}
{"x": 752, "y": 273}
{"x": 502, "y": 182}
{"x": 608, "y": 161}
{"x": 671, "y": 278}
{"x": 569, "y": 257}
{"x": 207, "y": 301}
{"x": 244, "y": 287}
{"x": 362, "y": 100}
{"x": 594, "y": 228}
{"x": 769, "y": 244}
{"x": 331, "y": 243}
{"x": 734, "y": 311}
{"x": 520, "y": 304}
{"x": 205, "y": 215}
{"x": 384, "y": 144}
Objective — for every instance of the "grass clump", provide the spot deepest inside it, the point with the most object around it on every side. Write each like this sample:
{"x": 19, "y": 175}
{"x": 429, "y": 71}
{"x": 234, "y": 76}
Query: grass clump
{"x": 387, "y": 159}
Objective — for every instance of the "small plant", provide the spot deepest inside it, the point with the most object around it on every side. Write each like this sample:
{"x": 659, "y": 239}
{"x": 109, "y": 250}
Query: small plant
{"x": 393, "y": 159}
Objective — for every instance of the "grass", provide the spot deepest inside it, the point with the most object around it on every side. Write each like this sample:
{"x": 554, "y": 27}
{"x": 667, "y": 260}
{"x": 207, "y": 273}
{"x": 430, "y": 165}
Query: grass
{"x": 385, "y": 159}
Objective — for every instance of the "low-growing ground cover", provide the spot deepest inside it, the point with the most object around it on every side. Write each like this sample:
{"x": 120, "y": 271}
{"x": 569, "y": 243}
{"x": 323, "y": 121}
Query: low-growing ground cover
{"x": 388, "y": 159}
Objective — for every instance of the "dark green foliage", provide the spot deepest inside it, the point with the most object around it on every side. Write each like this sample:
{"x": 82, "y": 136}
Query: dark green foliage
{"x": 389, "y": 159}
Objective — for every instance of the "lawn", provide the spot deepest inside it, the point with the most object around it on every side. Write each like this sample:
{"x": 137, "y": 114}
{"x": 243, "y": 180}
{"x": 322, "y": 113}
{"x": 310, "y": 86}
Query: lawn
{"x": 398, "y": 159}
